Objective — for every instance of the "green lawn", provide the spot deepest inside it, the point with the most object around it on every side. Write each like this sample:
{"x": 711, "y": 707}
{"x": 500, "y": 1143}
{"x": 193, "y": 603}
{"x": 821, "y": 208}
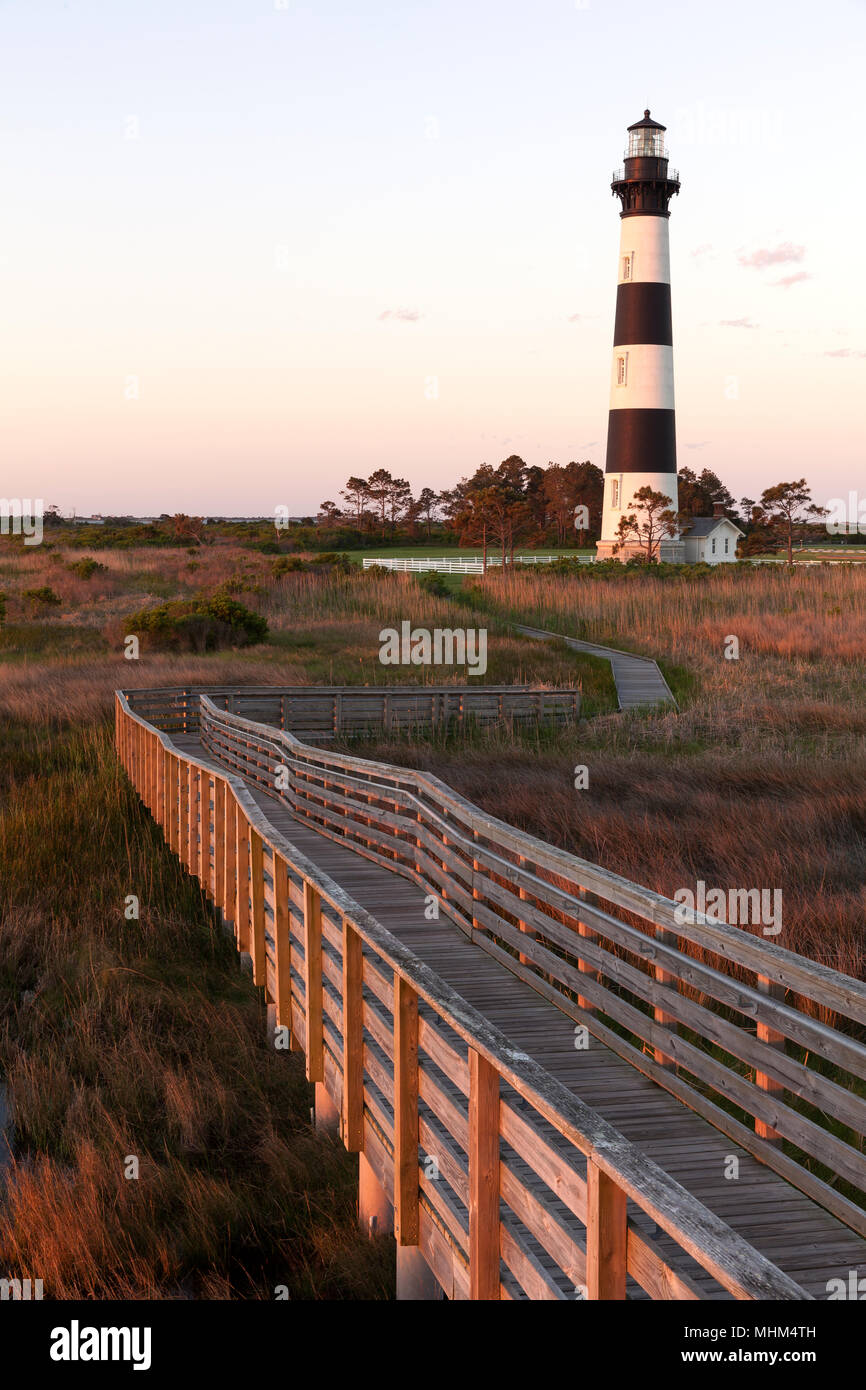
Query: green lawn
{"x": 423, "y": 552}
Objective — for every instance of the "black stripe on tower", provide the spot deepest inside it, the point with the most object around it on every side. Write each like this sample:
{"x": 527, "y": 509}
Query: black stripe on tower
{"x": 641, "y": 441}
{"x": 643, "y": 313}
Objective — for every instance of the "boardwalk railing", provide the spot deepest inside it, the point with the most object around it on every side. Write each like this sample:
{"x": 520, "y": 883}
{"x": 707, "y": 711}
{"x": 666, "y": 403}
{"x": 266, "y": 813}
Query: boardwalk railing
{"x": 317, "y": 713}
{"x": 415, "y": 1071}
{"x": 698, "y": 1007}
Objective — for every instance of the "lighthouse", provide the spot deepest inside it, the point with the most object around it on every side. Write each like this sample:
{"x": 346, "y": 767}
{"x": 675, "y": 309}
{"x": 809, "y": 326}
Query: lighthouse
{"x": 641, "y": 434}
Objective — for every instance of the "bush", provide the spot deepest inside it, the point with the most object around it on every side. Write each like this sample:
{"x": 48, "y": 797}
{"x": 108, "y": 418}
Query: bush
{"x": 287, "y": 564}
{"x": 2, "y": 608}
{"x": 337, "y": 560}
{"x": 199, "y": 625}
{"x": 433, "y": 583}
{"x": 86, "y": 567}
{"x": 45, "y": 596}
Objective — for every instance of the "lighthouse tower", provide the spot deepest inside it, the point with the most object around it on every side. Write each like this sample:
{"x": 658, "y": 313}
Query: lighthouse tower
{"x": 641, "y": 438}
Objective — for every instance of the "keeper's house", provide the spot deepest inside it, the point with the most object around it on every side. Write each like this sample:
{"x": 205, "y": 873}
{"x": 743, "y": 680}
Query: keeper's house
{"x": 712, "y": 539}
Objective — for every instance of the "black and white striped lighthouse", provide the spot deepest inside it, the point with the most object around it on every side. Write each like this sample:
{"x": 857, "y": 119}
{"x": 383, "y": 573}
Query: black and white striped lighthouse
{"x": 641, "y": 436}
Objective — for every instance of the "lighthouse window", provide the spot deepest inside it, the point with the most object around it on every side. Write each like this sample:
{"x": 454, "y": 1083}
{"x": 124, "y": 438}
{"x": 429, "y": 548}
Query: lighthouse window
{"x": 626, "y": 267}
{"x": 620, "y": 369}
{"x": 614, "y": 493}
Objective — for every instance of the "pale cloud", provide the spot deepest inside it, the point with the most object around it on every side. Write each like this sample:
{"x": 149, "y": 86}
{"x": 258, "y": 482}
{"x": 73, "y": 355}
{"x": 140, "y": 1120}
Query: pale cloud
{"x": 788, "y": 280}
{"x": 845, "y": 352}
{"x": 775, "y": 255}
{"x": 402, "y": 315}
{"x": 702, "y": 444}
{"x": 737, "y": 323}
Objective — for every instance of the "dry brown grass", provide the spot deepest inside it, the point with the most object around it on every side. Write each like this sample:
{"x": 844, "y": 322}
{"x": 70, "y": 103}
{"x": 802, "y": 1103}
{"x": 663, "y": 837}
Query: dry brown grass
{"x": 756, "y": 782}
{"x": 143, "y": 1038}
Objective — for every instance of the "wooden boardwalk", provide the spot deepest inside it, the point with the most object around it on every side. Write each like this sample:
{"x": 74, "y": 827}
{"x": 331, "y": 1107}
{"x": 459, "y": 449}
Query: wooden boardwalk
{"x": 794, "y": 1233}
{"x": 704, "y": 1207}
{"x": 639, "y": 682}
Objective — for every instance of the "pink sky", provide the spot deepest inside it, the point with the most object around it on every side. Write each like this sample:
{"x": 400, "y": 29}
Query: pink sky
{"x": 246, "y": 253}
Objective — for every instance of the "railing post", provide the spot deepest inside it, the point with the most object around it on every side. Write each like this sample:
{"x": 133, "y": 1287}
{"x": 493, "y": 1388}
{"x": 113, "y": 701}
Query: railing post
{"x": 162, "y": 766}
{"x": 606, "y": 1236}
{"x": 353, "y": 1041}
{"x": 219, "y": 847}
{"x": 313, "y": 982}
{"x": 257, "y": 893}
{"x": 583, "y": 966}
{"x": 229, "y": 838}
{"x": 484, "y": 1280}
{"x": 524, "y": 894}
{"x": 406, "y": 1113}
{"x": 475, "y": 868}
{"x": 763, "y": 1081}
{"x": 194, "y": 776}
{"x": 171, "y": 800}
{"x": 242, "y": 896}
{"x": 282, "y": 945}
{"x": 185, "y": 789}
{"x": 668, "y": 981}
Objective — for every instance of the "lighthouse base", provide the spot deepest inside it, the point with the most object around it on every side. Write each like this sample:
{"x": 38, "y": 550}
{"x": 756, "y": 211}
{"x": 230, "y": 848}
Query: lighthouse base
{"x": 671, "y": 550}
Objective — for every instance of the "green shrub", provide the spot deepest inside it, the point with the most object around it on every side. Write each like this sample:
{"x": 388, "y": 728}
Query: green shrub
{"x": 433, "y": 583}
{"x": 287, "y": 564}
{"x": 203, "y": 624}
{"x": 86, "y": 567}
{"x": 45, "y": 596}
{"x": 336, "y": 559}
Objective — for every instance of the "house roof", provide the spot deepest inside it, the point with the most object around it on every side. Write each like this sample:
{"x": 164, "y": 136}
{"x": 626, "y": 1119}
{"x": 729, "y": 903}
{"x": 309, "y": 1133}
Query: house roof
{"x": 706, "y": 525}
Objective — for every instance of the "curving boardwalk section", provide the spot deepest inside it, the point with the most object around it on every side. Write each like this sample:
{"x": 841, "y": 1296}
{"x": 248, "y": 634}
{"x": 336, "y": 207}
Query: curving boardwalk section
{"x": 639, "y": 682}
{"x": 559, "y": 1089}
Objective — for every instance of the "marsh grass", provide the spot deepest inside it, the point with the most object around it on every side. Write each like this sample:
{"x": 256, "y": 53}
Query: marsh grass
{"x": 143, "y": 1038}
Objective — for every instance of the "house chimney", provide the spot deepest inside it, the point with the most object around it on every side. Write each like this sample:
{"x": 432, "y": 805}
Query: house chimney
{"x": 718, "y": 509}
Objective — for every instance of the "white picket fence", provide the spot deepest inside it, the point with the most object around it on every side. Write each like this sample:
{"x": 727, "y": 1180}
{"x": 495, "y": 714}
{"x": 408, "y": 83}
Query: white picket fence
{"x": 464, "y": 565}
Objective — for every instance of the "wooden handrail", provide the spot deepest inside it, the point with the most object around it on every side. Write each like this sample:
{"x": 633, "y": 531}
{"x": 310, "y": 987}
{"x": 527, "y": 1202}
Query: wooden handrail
{"x": 451, "y": 1040}
{"x": 485, "y": 861}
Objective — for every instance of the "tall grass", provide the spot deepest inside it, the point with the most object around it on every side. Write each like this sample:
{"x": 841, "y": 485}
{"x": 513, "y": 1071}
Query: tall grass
{"x": 142, "y": 1038}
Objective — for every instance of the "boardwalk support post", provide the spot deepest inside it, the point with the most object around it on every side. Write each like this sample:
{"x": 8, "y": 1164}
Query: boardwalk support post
{"x": 763, "y": 1081}
{"x": 405, "y": 1113}
{"x": 606, "y": 1236}
{"x": 257, "y": 894}
{"x": 353, "y": 1041}
{"x": 313, "y": 983}
{"x": 483, "y": 1178}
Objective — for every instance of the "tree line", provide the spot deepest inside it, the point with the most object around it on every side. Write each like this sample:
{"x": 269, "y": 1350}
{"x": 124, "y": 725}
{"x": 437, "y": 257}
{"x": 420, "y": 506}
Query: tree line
{"x": 561, "y": 506}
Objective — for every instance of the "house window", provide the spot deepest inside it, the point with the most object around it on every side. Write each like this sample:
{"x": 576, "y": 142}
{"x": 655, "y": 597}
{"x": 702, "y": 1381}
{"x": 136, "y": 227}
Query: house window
{"x": 621, "y": 365}
{"x": 614, "y": 493}
{"x": 626, "y": 267}
{"x": 726, "y": 544}
{"x": 714, "y": 546}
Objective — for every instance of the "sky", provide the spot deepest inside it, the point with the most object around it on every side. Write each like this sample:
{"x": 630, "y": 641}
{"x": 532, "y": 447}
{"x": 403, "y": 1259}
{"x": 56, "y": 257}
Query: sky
{"x": 251, "y": 247}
